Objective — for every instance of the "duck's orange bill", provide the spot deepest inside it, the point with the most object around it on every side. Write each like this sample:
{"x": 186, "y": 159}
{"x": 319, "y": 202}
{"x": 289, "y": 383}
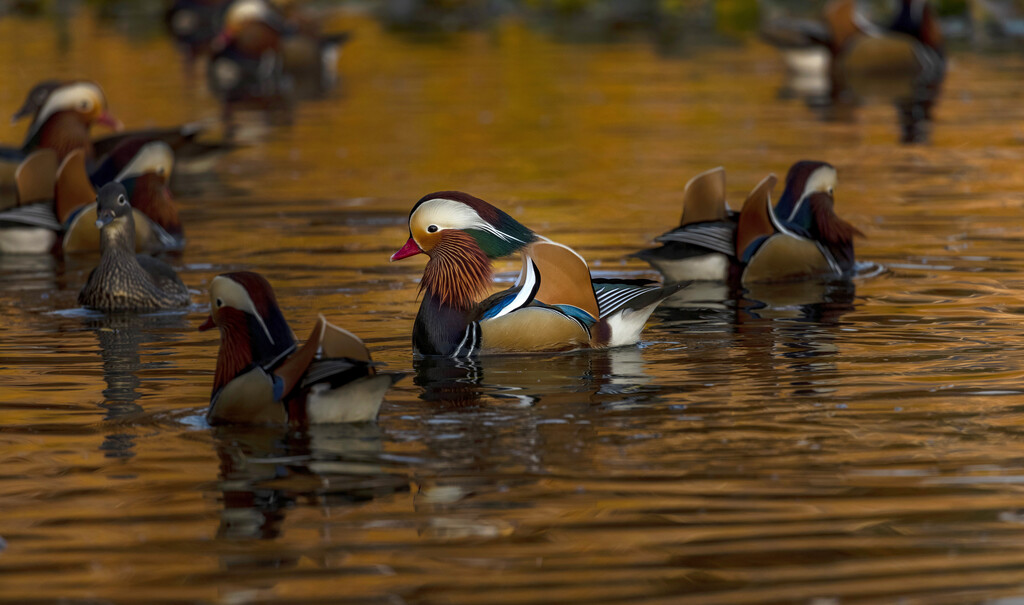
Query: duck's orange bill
{"x": 409, "y": 249}
{"x": 208, "y": 324}
{"x": 110, "y": 122}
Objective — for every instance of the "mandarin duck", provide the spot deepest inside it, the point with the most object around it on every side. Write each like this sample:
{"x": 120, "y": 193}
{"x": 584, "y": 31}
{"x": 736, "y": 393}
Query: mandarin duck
{"x": 263, "y": 377}
{"x": 124, "y": 281}
{"x": 61, "y": 123}
{"x": 795, "y": 240}
{"x": 263, "y": 55}
{"x": 64, "y": 204}
{"x": 896, "y": 61}
{"x": 701, "y": 247}
{"x": 554, "y": 305}
{"x": 145, "y": 170}
{"x": 183, "y": 139}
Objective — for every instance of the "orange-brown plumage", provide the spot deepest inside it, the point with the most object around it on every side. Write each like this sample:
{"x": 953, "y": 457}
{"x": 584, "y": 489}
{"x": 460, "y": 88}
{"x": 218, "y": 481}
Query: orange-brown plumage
{"x": 458, "y": 273}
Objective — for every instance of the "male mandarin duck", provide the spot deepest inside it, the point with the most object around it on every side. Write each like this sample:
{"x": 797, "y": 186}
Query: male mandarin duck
{"x": 909, "y": 53}
{"x": 800, "y": 238}
{"x": 701, "y": 247}
{"x": 145, "y": 169}
{"x": 263, "y": 55}
{"x": 183, "y": 139}
{"x": 263, "y": 377}
{"x": 51, "y": 205}
{"x": 553, "y": 306}
{"x": 124, "y": 281}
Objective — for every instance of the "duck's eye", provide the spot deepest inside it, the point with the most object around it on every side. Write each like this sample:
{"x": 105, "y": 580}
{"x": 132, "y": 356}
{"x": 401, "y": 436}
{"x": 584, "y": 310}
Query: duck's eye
{"x": 122, "y": 200}
{"x": 830, "y": 190}
{"x": 219, "y": 303}
{"x": 84, "y": 105}
{"x": 432, "y": 229}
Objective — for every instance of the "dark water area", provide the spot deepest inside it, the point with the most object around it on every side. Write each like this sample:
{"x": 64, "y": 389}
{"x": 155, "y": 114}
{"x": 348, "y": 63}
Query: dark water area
{"x": 818, "y": 444}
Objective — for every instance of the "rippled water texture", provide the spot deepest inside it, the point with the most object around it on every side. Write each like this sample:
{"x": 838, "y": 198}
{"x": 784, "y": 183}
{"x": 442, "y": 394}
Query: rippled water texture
{"x": 858, "y": 450}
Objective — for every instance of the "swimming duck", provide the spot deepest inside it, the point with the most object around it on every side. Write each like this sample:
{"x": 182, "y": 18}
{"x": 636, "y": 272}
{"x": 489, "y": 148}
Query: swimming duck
{"x": 553, "y": 306}
{"x": 815, "y": 242}
{"x": 262, "y": 377}
{"x": 124, "y": 281}
{"x": 146, "y": 171}
{"x": 701, "y": 247}
{"x": 896, "y": 61}
{"x": 62, "y": 124}
{"x": 184, "y": 139}
{"x": 261, "y": 55}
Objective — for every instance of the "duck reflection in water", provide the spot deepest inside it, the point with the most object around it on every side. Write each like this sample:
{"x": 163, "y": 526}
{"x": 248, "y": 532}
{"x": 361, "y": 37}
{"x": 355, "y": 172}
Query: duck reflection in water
{"x": 604, "y": 376}
{"x": 122, "y": 337}
{"x": 265, "y": 471}
{"x": 844, "y": 60}
{"x": 481, "y": 444}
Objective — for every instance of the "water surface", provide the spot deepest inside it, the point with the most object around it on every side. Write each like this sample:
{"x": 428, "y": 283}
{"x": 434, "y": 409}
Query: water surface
{"x": 858, "y": 449}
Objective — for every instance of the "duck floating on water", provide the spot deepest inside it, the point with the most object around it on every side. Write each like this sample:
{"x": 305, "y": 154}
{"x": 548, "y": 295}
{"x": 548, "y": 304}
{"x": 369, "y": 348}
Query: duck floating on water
{"x": 716, "y": 244}
{"x": 263, "y": 377}
{"x": 799, "y": 239}
{"x": 124, "y": 281}
{"x": 554, "y": 305}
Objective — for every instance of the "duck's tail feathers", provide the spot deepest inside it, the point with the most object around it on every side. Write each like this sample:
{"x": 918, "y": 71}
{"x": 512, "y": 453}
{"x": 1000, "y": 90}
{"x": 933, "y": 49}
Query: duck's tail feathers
{"x": 627, "y": 304}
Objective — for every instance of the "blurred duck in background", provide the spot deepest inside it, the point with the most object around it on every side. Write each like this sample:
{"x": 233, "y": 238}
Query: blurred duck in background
{"x": 263, "y": 56}
{"x": 844, "y": 57}
{"x": 263, "y": 377}
{"x": 184, "y": 140}
{"x": 57, "y": 208}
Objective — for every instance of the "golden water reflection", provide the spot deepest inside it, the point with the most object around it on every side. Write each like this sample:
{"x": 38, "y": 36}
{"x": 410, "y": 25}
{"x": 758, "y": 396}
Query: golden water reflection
{"x": 864, "y": 445}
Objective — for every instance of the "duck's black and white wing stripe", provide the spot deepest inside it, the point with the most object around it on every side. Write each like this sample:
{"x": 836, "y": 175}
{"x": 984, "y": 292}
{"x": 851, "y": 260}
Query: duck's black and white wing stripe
{"x": 32, "y": 215}
{"x": 614, "y": 296}
{"x": 716, "y": 236}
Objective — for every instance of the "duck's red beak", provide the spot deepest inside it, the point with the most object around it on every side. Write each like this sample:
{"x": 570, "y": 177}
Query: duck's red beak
{"x": 409, "y": 249}
{"x": 110, "y": 122}
{"x": 208, "y": 324}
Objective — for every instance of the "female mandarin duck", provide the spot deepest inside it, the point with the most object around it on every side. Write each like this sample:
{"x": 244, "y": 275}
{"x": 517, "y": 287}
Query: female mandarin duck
{"x": 123, "y": 281}
{"x": 801, "y": 237}
{"x": 553, "y": 306}
{"x": 262, "y": 377}
{"x": 64, "y": 204}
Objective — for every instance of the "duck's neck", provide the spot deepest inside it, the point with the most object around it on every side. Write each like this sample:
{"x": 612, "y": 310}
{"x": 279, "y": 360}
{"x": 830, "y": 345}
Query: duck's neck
{"x": 63, "y": 132}
{"x": 235, "y": 354}
{"x": 454, "y": 280}
{"x": 119, "y": 236}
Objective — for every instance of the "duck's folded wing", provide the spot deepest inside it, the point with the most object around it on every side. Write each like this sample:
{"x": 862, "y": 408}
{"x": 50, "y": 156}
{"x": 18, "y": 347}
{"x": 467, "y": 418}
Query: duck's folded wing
{"x": 717, "y": 236}
{"x": 33, "y": 215}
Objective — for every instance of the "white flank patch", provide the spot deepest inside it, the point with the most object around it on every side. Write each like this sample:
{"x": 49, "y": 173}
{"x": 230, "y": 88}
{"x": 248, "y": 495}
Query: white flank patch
{"x": 626, "y": 325}
{"x": 709, "y": 267}
{"x": 26, "y": 240}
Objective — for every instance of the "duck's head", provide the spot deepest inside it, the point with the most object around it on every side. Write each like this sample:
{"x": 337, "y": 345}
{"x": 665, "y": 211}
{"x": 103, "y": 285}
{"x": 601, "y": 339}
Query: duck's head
{"x": 84, "y": 100}
{"x": 244, "y": 308}
{"x": 36, "y": 99}
{"x": 113, "y": 211}
{"x": 252, "y": 329}
{"x": 137, "y": 159}
{"x": 243, "y": 14}
{"x": 452, "y": 222}
{"x": 804, "y": 178}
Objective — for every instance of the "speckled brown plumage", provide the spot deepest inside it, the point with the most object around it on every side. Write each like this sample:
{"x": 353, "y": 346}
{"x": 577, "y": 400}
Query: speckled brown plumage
{"x": 123, "y": 281}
